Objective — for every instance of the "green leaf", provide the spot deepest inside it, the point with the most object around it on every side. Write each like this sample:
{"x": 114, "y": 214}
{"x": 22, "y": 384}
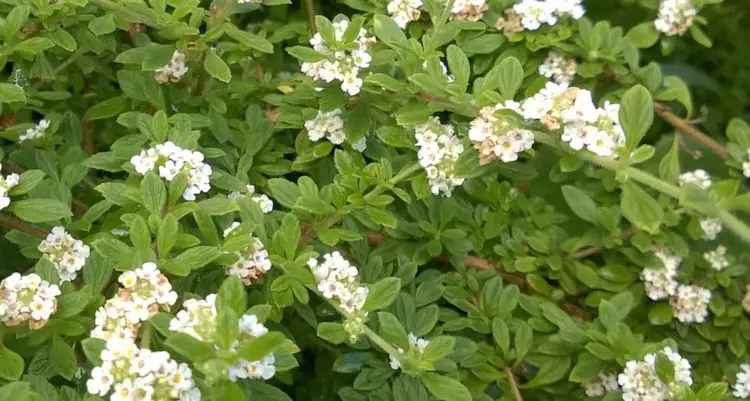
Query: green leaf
{"x": 387, "y": 30}
{"x": 15, "y": 19}
{"x": 438, "y": 348}
{"x": 458, "y": 64}
{"x": 11, "y": 365}
{"x": 106, "y": 109}
{"x": 643, "y": 35}
{"x": 92, "y": 348}
{"x": 334, "y": 333}
{"x": 10, "y": 93}
{"x": 249, "y": 40}
{"x": 510, "y": 78}
{"x": 712, "y": 392}
{"x": 232, "y": 295}
{"x": 523, "y": 340}
{"x": 392, "y": 330}
{"x": 660, "y": 314}
{"x": 580, "y": 203}
{"x": 305, "y": 53}
{"x": 189, "y": 347}
{"x": 664, "y": 368}
{"x": 669, "y": 167}
{"x": 263, "y": 391}
{"x": 63, "y": 358}
{"x": 284, "y": 191}
{"x": 640, "y": 208}
{"x": 382, "y": 294}
{"x": 153, "y": 192}
{"x": 228, "y": 391}
{"x": 445, "y": 388}
{"x": 102, "y": 25}
{"x": 261, "y": 346}
{"x": 738, "y": 132}
{"x": 71, "y": 304}
{"x": 192, "y": 259}
{"x": 166, "y": 236}
{"x": 697, "y": 33}
{"x": 38, "y": 210}
{"x": 27, "y": 181}
{"x": 18, "y": 391}
{"x": 636, "y": 114}
{"x": 216, "y": 67}
{"x": 501, "y": 335}
{"x": 34, "y": 45}
{"x": 382, "y": 217}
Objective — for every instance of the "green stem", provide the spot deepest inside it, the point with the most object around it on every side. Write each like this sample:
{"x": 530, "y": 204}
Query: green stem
{"x": 445, "y": 14}
{"x": 671, "y": 190}
{"x": 404, "y": 174}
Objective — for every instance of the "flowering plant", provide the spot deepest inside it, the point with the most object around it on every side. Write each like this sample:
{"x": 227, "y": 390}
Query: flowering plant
{"x": 373, "y": 200}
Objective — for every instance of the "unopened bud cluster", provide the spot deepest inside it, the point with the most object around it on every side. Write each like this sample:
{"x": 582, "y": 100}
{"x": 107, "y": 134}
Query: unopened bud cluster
{"x": 558, "y": 67}
{"x": 173, "y": 71}
{"x": 468, "y": 10}
{"x": 404, "y": 11}
{"x": 35, "y": 132}
{"x": 498, "y": 138}
{"x": 338, "y": 279}
{"x": 198, "y": 319}
{"x": 27, "y": 299}
{"x": 711, "y": 227}
{"x": 439, "y": 149}
{"x": 251, "y": 262}
{"x": 265, "y": 203}
{"x": 143, "y": 293}
{"x": 675, "y": 16}
{"x": 571, "y": 109}
{"x": 415, "y": 343}
{"x": 131, "y": 373}
{"x": 66, "y": 253}
{"x": 172, "y": 160}
{"x": 640, "y": 382}
{"x": 340, "y": 65}
{"x": 699, "y": 177}
{"x": 330, "y": 125}
{"x": 717, "y": 258}
{"x": 6, "y": 184}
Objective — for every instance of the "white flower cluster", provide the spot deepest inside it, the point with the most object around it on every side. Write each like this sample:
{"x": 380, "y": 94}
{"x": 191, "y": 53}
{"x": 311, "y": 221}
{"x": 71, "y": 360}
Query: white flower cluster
{"x": 698, "y": 177}
{"x": 144, "y": 292}
{"x": 35, "y": 132}
{"x": 661, "y": 283}
{"x": 690, "y": 304}
{"x": 6, "y": 183}
{"x": 337, "y": 278}
{"x": 130, "y": 373}
{"x": 173, "y": 71}
{"x": 558, "y": 67}
{"x": 468, "y": 10}
{"x": 711, "y": 228}
{"x": 172, "y": 160}
{"x": 404, "y": 11}
{"x": 497, "y": 138}
{"x": 640, "y": 382}
{"x": 675, "y": 16}
{"x": 534, "y": 13}
{"x": 341, "y": 65}
{"x": 27, "y": 298}
{"x": 741, "y": 387}
{"x": 252, "y": 262}
{"x": 330, "y": 125}
{"x": 439, "y": 149}
{"x": 198, "y": 319}
{"x": 66, "y": 253}
{"x": 557, "y": 105}
{"x": 717, "y": 258}
{"x": 265, "y": 203}
{"x": 605, "y": 383}
{"x": 420, "y": 344}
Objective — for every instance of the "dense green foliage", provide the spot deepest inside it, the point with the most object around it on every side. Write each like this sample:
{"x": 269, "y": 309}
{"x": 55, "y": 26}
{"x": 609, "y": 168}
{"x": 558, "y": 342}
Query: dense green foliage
{"x": 240, "y": 200}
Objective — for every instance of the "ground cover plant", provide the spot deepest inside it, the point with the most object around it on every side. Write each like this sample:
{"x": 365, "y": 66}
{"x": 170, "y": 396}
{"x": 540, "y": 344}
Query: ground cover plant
{"x": 374, "y": 200}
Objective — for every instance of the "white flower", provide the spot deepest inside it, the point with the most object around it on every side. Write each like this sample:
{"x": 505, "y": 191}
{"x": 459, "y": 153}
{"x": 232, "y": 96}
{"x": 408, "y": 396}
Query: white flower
{"x": 690, "y": 304}
{"x": 173, "y": 71}
{"x": 741, "y": 387}
{"x": 439, "y": 149}
{"x": 604, "y": 383}
{"x": 640, "y": 382}
{"x": 717, "y": 258}
{"x": 558, "y": 67}
{"x": 420, "y": 344}
{"x": 698, "y": 177}
{"x": 67, "y": 254}
{"x": 660, "y": 282}
{"x": 496, "y": 138}
{"x": 27, "y": 299}
{"x": 675, "y": 16}
{"x": 330, "y": 125}
{"x": 711, "y": 228}
{"x": 337, "y": 279}
{"x": 172, "y": 160}
{"x": 35, "y": 132}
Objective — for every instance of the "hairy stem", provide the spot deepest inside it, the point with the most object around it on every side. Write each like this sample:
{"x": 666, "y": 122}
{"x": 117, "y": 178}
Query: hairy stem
{"x": 686, "y": 127}
{"x": 513, "y": 383}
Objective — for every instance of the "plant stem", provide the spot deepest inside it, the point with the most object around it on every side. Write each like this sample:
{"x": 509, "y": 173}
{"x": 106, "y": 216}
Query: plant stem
{"x": 673, "y": 191}
{"x": 446, "y": 12}
{"x": 685, "y": 126}
{"x": 513, "y": 383}
{"x": 19, "y": 225}
{"x": 311, "y": 16}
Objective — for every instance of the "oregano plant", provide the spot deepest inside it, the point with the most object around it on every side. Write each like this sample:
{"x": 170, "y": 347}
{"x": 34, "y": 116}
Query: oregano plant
{"x": 393, "y": 200}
